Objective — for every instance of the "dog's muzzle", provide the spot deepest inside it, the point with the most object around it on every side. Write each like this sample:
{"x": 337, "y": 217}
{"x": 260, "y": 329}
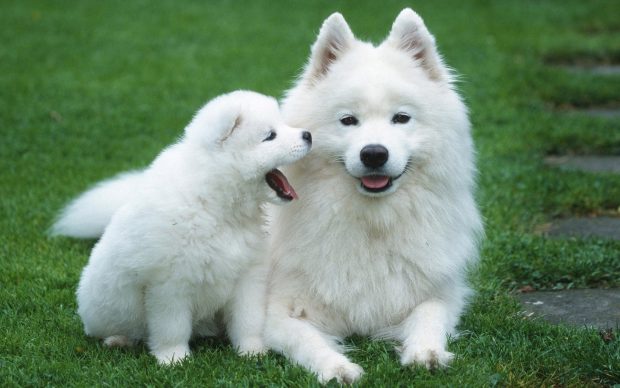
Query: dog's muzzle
{"x": 374, "y": 156}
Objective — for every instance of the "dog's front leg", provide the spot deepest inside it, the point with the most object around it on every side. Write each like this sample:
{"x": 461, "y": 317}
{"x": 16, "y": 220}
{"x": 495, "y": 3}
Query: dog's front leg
{"x": 288, "y": 332}
{"x": 169, "y": 324}
{"x": 245, "y": 313}
{"x": 425, "y": 334}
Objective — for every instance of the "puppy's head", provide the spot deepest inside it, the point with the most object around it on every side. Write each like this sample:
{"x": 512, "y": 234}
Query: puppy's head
{"x": 244, "y": 131}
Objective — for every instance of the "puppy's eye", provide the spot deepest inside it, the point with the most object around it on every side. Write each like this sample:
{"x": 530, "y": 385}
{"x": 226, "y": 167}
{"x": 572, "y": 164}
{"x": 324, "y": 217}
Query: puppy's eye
{"x": 401, "y": 118}
{"x": 271, "y": 136}
{"x": 349, "y": 120}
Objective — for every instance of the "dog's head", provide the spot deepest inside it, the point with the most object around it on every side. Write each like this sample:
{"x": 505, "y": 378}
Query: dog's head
{"x": 384, "y": 112}
{"x": 243, "y": 131}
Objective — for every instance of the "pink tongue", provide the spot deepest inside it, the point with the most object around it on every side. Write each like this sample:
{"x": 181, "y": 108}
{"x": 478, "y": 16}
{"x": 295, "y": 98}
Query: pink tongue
{"x": 279, "y": 179}
{"x": 375, "y": 181}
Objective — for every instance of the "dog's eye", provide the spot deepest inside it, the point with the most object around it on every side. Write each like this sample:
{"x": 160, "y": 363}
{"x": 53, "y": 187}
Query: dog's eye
{"x": 349, "y": 120}
{"x": 271, "y": 136}
{"x": 401, "y": 118}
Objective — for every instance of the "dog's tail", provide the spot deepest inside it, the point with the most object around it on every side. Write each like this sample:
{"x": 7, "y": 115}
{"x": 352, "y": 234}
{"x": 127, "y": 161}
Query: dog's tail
{"x": 88, "y": 215}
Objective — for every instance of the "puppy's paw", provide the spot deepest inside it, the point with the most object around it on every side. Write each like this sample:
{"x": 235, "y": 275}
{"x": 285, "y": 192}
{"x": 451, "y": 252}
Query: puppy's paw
{"x": 430, "y": 357}
{"x": 171, "y": 355}
{"x": 118, "y": 341}
{"x": 251, "y": 346}
{"x": 345, "y": 372}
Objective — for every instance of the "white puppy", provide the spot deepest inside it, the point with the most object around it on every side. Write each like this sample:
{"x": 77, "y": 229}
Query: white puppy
{"x": 183, "y": 243}
{"x": 387, "y": 225}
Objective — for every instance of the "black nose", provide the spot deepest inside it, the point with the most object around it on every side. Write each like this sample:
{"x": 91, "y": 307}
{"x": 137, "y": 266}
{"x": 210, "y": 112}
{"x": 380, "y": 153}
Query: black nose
{"x": 374, "y": 155}
{"x": 307, "y": 136}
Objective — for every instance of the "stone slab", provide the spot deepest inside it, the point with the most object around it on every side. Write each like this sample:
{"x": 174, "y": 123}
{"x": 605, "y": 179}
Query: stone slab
{"x": 613, "y": 69}
{"x": 587, "y": 163}
{"x": 586, "y": 308}
{"x": 605, "y": 113}
{"x": 586, "y": 227}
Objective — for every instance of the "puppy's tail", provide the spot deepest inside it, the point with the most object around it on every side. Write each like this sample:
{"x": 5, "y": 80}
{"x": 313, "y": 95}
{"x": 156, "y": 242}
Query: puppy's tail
{"x": 88, "y": 215}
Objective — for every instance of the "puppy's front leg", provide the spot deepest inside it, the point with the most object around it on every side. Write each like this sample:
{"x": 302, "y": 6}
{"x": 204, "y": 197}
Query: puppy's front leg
{"x": 425, "y": 334}
{"x": 302, "y": 342}
{"x": 245, "y": 313}
{"x": 169, "y": 324}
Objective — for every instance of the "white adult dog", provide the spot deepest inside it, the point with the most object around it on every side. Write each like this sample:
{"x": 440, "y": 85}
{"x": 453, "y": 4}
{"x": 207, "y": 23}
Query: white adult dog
{"x": 387, "y": 225}
{"x": 187, "y": 232}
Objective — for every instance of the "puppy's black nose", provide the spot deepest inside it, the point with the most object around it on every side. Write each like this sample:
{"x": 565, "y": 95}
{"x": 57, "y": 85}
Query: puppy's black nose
{"x": 374, "y": 155}
{"x": 307, "y": 136}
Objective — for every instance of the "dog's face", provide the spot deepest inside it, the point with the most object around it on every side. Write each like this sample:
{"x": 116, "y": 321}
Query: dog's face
{"x": 244, "y": 131}
{"x": 383, "y": 112}
{"x": 375, "y": 126}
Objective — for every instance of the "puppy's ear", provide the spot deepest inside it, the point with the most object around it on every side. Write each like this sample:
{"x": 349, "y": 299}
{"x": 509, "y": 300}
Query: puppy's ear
{"x": 411, "y": 35}
{"x": 228, "y": 132}
{"x": 334, "y": 39}
{"x": 215, "y": 123}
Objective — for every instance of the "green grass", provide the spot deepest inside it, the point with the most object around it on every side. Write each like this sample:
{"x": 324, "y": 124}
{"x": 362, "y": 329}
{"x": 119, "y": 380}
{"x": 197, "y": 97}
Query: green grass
{"x": 89, "y": 88}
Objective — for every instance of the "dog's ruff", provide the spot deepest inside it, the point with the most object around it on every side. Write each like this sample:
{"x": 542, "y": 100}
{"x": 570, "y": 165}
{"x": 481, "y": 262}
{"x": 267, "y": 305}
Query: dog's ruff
{"x": 183, "y": 238}
{"x": 387, "y": 225}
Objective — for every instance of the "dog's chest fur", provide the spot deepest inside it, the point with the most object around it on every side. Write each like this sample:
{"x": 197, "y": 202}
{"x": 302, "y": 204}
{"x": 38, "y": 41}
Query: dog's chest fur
{"x": 367, "y": 276}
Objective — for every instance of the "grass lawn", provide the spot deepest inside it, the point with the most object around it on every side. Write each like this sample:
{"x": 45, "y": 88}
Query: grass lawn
{"x": 90, "y": 88}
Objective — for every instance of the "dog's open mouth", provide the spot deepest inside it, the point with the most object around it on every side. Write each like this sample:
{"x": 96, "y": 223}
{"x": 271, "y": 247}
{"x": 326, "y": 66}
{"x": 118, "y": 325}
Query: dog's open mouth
{"x": 278, "y": 182}
{"x": 376, "y": 183}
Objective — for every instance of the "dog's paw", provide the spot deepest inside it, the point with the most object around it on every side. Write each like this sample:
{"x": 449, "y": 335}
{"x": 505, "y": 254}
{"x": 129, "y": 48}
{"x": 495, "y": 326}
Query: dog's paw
{"x": 252, "y": 346}
{"x": 118, "y": 341}
{"x": 171, "y": 355}
{"x": 429, "y": 357}
{"x": 345, "y": 372}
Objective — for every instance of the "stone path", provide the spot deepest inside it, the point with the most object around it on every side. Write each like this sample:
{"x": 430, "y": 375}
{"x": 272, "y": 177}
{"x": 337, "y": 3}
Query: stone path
{"x": 598, "y": 308}
{"x": 586, "y": 308}
{"x": 603, "y": 69}
{"x": 603, "y": 227}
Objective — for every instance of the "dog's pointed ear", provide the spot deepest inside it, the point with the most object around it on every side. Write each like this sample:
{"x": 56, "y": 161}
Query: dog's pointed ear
{"x": 411, "y": 35}
{"x": 215, "y": 123}
{"x": 334, "y": 39}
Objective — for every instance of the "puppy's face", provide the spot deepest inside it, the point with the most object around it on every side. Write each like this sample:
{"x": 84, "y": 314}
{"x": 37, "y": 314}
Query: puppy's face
{"x": 245, "y": 131}
{"x": 261, "y": 144}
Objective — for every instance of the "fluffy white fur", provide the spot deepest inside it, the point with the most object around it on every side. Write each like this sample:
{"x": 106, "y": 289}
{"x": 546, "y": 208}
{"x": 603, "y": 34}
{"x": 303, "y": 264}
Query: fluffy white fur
{"x": 183, "y": 239}
{"x": 388, "y": 264}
